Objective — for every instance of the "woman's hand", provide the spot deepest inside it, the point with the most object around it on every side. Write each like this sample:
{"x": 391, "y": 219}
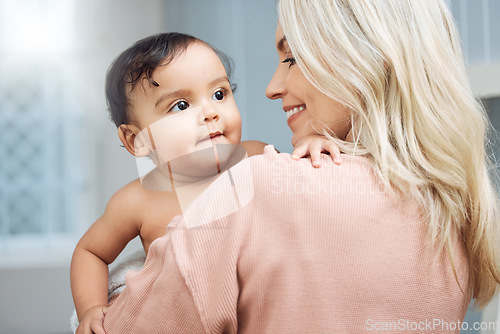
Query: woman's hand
{"x": 314, "y": 145}
{"x": 92, "y": 321}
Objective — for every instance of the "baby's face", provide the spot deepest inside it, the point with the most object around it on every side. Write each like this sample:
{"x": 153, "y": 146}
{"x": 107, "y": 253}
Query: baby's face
{"x": 192, "y": 109}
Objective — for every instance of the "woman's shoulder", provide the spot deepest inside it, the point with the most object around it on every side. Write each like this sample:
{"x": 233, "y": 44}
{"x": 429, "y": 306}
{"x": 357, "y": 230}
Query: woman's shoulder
{"x": 355, "y": 180}
{"x": 279, "y": 163}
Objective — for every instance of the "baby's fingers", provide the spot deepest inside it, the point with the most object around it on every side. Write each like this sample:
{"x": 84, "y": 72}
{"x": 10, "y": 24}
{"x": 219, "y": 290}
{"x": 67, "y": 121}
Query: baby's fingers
{"x": 300, "y": 151}
{"x": 334, "y": 152}
{"x": 315, "y": 152}
{"x": 97, "y": 327}
{"x": 82, "y": 329}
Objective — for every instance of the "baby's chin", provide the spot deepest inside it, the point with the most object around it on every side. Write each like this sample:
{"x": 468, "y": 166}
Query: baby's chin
{"x": 206, "y": 162}
{"x": 198, "y": 166}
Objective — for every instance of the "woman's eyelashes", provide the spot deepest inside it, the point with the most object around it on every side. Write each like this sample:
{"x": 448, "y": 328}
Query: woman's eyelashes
{"x": 290, "y": 60}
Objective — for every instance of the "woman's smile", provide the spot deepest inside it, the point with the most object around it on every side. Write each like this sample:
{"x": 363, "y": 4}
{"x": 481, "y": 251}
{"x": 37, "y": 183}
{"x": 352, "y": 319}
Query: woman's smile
{"x": 292, "y": 113}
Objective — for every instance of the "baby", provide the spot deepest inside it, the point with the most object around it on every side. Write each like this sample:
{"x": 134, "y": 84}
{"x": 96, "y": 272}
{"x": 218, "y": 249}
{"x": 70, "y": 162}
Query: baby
{"x": 172, "y": 101}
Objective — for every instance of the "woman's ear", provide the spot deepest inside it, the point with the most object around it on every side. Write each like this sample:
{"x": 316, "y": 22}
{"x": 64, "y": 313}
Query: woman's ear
{"x": 132, "y": 140}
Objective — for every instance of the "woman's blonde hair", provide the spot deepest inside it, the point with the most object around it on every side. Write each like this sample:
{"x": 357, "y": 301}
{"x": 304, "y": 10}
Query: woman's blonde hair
{"x": 398, "y": 65}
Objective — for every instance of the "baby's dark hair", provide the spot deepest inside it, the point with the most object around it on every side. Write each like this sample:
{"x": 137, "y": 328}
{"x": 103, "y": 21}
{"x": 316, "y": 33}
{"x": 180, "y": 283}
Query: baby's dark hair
{"x": 139, "y": 61}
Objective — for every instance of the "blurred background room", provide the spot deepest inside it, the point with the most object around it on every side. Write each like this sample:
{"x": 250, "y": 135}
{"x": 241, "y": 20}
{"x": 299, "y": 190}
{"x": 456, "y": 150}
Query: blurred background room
{"x": 60, "y": 156}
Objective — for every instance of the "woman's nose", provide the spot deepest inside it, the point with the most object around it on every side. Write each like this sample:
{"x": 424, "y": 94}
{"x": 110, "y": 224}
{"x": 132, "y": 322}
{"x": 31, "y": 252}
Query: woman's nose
{"x": 276, "y": 88}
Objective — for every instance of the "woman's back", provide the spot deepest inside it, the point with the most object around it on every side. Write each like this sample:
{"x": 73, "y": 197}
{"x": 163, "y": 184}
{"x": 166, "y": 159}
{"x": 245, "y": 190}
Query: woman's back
{"x": 329, "y": 251}
{"x": 314, "y": 250}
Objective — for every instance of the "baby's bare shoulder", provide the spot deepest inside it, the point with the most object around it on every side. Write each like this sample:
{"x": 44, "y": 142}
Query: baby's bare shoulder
{"x": 253, "y": 147}
{"x": 131, "y": 193}
{"x": 128, "y": 200}
{"x": 138, "y": 199}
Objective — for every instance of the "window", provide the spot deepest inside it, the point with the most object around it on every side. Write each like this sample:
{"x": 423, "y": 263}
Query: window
{"x": 479, "y": 26}
{"x": 42, "y": 182}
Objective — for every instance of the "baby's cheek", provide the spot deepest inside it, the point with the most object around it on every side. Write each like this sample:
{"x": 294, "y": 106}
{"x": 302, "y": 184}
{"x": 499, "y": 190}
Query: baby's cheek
{"x": 232, "y": 129}
{"x": 167, "y": 149}
{"x": 235, "y": 137}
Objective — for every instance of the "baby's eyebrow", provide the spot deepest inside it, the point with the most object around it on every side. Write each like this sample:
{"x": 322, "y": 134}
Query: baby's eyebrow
{"x": 219, "y": 80}
{"x": 185, "y": 92}
{"x": 167, "y": 96}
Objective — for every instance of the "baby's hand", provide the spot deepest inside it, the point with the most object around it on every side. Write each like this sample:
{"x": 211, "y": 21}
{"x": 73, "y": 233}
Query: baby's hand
{"x": 314, "y": 145}
{"x": 92, "y": 321}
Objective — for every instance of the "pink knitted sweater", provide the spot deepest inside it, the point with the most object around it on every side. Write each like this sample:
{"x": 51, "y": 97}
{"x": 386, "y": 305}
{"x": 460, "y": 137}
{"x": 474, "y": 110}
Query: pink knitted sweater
{"x": 277, "y": 246}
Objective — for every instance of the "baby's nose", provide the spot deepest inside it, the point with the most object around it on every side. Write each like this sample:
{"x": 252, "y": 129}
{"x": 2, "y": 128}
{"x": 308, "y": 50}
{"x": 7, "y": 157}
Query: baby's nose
{"x": 210, "y": 114}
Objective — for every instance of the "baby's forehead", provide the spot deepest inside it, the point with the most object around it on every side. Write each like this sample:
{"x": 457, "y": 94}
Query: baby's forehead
{"x": 179, "y": 66}
{"x": 195, "y": 52}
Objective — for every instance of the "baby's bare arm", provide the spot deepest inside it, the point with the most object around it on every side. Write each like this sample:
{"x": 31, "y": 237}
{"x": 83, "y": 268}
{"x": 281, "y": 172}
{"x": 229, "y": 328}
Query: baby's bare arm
{"x": 100, "y": 245}
{"x": 253, "y": 147}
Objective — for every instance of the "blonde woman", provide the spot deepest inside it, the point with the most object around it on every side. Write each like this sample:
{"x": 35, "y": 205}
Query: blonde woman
{"x": 395, "y": 68}
{"x": 397, "y": 238}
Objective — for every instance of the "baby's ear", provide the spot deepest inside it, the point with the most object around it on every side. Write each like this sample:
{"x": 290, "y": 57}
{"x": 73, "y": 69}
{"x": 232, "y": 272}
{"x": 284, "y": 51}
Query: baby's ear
{"x": 133, "y": 140}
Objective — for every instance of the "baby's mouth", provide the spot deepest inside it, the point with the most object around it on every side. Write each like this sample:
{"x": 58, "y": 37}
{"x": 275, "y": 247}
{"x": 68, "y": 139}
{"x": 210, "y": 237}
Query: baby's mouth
{"x": 214, "y": 135}
{"x": 211, "y": 136}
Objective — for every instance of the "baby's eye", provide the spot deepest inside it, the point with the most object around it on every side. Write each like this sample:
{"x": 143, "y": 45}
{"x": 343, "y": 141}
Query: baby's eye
{"x": 179, "y": 106}
{"x": 219, "y": 95}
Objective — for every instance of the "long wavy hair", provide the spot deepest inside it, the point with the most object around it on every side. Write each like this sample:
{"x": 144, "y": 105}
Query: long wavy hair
{"x": 398, "y": 65}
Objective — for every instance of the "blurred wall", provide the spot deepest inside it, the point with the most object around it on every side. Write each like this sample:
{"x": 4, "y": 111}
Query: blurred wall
{"x": 36, "y": 298}
{"x": 35, "y": 294}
